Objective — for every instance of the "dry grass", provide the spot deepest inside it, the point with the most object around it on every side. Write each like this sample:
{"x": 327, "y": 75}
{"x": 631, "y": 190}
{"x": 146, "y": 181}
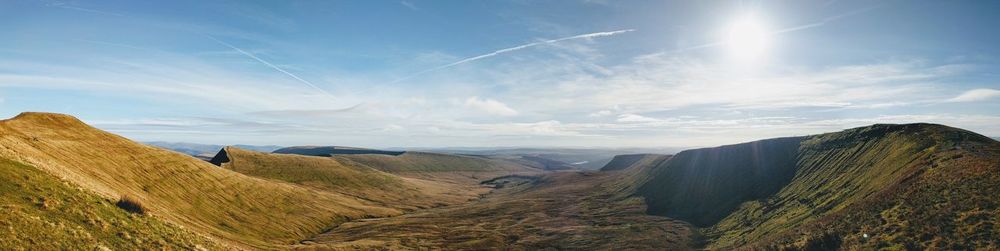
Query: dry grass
{"x": 338, "y": 175}
{"x": 41, "y": 212}
{"x": 234, "y": 208}
{"x": 558, "y": 211}
{"x": 130, "y": 204}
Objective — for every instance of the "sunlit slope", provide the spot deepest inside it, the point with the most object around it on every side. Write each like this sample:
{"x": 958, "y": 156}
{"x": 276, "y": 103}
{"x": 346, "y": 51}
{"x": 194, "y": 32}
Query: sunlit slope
{"x": 828, "y": 190}
{"x": 41, "y": 212}
{"x": 345, "y": 177}
{"x": 233, "y": 207}
{"x": 915, "y": 186}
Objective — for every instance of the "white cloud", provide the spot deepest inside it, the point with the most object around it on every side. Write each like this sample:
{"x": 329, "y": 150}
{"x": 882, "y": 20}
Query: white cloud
{"x": 489, "y": 106}
{"x": 635, "y": 118}
{"x": 976, "y": 95}
{"x": 600, "y": 113}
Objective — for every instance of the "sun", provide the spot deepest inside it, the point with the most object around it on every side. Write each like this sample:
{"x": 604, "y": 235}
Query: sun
{"x": 748, "y": 38}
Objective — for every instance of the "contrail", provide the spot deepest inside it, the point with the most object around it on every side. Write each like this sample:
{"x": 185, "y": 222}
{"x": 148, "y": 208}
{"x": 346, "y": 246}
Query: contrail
{"x": 827, "y": 20}
{"x": 310, "y": 84}
{"x": 519, "y": 47}
{"x": 70, "y": 7}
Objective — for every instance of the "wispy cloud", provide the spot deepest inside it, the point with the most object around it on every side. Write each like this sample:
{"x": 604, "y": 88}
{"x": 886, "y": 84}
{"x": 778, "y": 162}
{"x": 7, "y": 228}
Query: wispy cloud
{"x": 409, "y": 5}
{"x": 976, "y": 95}
{"x": 67, "y": 6}
{"x": 516, "y": 48}
{"x": 241, "y": 51}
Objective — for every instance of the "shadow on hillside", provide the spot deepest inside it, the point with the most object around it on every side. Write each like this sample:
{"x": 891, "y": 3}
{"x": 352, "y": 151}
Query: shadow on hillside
{"x": 703, "y": 186}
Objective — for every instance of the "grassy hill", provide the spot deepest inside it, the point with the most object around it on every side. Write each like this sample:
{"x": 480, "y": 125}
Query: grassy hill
{"x": 913, "y": 186}
{"x": 445, "y": 168}
{"x": 327, "y": 151}
{"x": 45, "y": 213}
{"x": 348, "y": 178}
{"x": 227, "y": 206}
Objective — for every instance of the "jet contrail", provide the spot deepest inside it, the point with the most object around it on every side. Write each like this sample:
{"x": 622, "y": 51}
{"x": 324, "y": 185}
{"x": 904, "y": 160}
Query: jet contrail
{"x": 310, "y": 84}
{"x": 519, "y": 47}
{"x": 828, "y": 20}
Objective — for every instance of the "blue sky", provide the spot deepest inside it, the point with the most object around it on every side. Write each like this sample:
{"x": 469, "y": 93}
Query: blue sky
{"x": 500, "y": 73}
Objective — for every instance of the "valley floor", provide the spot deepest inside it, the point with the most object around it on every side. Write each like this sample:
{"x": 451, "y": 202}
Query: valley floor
{"x": 563, "y": 210}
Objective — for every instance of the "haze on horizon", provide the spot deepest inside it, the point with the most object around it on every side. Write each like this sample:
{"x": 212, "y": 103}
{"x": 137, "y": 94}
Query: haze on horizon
{"x": 585, "y": 73}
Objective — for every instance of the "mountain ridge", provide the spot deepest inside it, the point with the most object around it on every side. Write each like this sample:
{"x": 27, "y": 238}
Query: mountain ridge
{"x": 742, "y": 194}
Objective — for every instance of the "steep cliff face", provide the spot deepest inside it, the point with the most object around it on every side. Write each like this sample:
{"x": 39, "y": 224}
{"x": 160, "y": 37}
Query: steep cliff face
{"x": 703, "y": 186}
{"x": 762, "y": 193}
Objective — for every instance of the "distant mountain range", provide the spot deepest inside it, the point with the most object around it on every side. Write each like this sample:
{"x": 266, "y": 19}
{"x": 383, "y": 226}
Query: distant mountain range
{"x": 205, "y": 151}
{"x": 556, "y": 158}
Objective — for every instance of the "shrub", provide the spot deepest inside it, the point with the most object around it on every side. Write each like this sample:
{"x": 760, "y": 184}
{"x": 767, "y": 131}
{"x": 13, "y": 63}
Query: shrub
{"x": 130, "y": 204}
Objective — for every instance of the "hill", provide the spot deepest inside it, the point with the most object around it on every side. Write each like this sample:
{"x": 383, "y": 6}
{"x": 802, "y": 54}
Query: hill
{"x": 227, "y": 206}
{"x": 200, "y": 150}
{"x": 627, "y": 161}
{"x": 913, "y": 186}
{"x": 45, "y": 213}
{"x": 328, "y": 151}
{"x": 559, "y": 158}
{"x": 447, "y": 168}
{"x": 346, "y": 177}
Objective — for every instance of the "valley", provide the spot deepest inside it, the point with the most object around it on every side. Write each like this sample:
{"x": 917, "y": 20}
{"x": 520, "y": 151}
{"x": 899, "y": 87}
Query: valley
{"x": 885, "y": 186}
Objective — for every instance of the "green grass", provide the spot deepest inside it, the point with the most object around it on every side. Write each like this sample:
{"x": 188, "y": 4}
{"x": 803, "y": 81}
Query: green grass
{"x": 911, "y": 186}
{"x": 41, "y": 212}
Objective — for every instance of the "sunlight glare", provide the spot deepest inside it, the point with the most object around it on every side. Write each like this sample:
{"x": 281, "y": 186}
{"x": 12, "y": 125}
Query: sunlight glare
{"x": 748, "y": 38}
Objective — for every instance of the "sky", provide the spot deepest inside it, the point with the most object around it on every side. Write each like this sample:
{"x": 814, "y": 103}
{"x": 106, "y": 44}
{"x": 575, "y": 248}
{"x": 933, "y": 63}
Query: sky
{"x": 448, "y": 73}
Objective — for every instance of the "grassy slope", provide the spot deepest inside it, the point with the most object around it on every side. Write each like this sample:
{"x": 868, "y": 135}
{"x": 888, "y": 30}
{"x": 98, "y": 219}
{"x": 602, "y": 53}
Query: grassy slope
{"x": 822, "y": 191}
{"x": 238, "y": 209}
{"x": 912, "y": 187}
{"x": 41, "y": 212}
{"x": 347, "y": 177}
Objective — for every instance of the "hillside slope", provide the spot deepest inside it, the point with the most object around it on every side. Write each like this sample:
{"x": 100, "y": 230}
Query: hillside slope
{"x": 345, "y": 177}
{"x": 909, "y": 186}
{"x": 42, "y": 212}
{"x": 627, "y": 161}
{"x": 232, "y": 207}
